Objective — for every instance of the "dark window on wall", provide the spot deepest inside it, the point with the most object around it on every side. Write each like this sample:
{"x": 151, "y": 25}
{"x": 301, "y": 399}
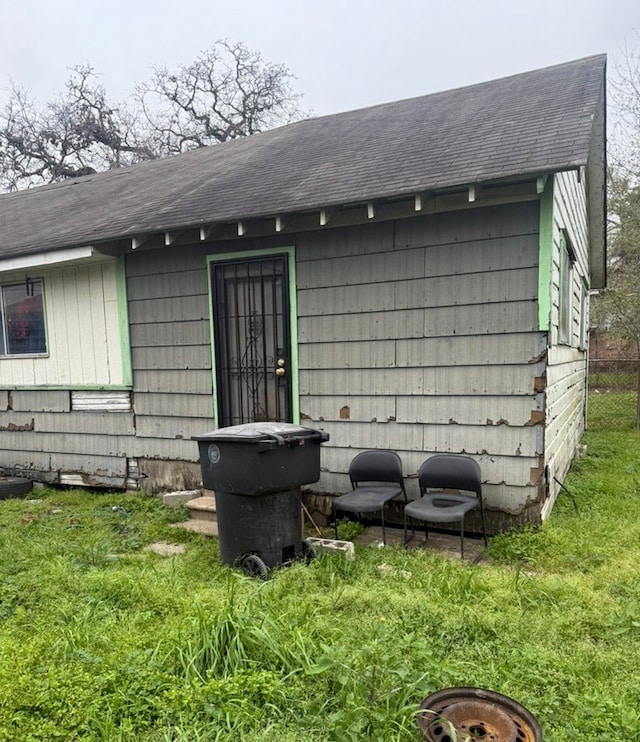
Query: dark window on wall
{"x": 567, "y": 260}
{"x": 584, "y": 317}
{"x": 22, "y": 325}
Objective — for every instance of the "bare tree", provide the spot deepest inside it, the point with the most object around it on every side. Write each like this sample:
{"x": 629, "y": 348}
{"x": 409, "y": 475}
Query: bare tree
{"x": 616, "y": 311}
{"x": 226, "y": 93}
{"x": 624, "y": 116}
{"x": 77, "y": 134}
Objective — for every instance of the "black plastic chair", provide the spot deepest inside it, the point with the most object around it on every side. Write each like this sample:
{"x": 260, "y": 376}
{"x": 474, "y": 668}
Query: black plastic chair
{"x": 376, "y": 479}
{"x": 447, "y": 472}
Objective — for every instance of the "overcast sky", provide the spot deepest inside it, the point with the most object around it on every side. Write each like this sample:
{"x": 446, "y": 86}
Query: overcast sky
{"x": 345, "y": 53}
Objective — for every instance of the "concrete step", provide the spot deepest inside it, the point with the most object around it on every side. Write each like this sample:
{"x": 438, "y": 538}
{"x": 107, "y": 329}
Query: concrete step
{"x": 202, "y": 508}
{"x": 204, "y": 527}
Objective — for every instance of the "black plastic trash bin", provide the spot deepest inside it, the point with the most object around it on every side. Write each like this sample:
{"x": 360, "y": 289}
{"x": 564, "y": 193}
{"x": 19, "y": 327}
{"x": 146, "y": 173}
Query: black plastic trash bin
{"x": 256, "y": 471}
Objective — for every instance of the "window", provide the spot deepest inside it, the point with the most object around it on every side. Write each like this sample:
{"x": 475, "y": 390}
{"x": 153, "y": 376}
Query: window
{"x": 567, "y": 258}
{"x": 584, "y": 317}
{"x": 22, "y": 326}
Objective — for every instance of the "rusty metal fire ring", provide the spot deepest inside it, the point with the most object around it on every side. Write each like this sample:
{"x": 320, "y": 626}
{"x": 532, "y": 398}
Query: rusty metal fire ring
{"x": 476, "y": 715}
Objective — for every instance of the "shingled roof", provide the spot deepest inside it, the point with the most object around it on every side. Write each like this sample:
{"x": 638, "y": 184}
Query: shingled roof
{"x": 525, "y": 125}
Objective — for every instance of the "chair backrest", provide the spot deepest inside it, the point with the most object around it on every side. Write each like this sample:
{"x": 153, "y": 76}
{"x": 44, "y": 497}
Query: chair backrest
{"x": 376, "y": 466}
{"x": 450, "y": 471}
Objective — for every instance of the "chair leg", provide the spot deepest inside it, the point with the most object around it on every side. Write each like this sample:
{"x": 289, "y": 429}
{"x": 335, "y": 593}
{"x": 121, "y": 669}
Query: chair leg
{"x": 335, "y": 520}
{"x": 384, "y": 537}
{"x": 462, "y": 539}
{"x": 408, "y": 539}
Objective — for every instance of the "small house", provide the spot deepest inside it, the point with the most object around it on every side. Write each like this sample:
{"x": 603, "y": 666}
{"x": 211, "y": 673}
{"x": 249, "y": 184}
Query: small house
{"x": 414, "y": 275}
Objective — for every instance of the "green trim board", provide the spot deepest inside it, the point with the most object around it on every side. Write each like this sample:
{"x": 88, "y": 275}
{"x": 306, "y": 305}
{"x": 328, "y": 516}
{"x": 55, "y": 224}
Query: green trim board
{"x": 123, "y": 323}
{"x": 545, "y": 255}
{"x": 290, "y": 252}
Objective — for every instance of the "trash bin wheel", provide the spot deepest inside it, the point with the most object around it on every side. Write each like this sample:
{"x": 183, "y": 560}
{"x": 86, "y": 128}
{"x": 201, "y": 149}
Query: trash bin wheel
{"x": 254, "y": 566}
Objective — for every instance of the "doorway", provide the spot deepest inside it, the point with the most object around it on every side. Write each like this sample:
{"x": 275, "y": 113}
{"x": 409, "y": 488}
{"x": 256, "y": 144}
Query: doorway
{"x": 252, "y": 328}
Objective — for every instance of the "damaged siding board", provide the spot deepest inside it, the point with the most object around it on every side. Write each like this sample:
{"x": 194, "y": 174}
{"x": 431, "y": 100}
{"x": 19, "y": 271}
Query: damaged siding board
{"x": 365, "y": 408}
{"x": 570, "y": 208}
{"x": 107, "y": 400}
{"x": 13, "y": 421}
{"x": 40, "y": 401}
{"x": 102, "y": 470}
{"x": 516, "y": 411}
{"x": 470, "y": 410}
{"x": 423, "y": 438}
{"x": 96, "y": 465}
{"x": 95, "y": 423}
{"x": 174, "y": 449}
{"x": 64, "y": 444}
{"x": 172, "y": 427}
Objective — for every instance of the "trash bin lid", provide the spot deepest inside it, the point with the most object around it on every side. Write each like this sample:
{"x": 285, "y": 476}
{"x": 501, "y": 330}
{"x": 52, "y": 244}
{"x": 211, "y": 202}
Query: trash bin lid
{"x": 259, "y": 432}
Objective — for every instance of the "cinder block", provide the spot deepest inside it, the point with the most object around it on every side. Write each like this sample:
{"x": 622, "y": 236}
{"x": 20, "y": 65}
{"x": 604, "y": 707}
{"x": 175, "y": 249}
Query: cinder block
{"x": 174, "y": 499}
{"x": 331, "y": 544}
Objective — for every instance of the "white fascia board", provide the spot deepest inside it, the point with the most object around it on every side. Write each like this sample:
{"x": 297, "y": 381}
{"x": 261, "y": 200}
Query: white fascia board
{"x": 45, "y": 258}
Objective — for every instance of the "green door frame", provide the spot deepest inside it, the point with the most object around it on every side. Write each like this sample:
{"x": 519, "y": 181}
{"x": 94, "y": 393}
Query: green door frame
{"x": 290, "y": 254}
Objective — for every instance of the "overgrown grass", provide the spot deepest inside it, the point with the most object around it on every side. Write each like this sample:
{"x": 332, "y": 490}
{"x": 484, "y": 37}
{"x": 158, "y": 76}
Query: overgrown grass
{"x": 102, "y": 640}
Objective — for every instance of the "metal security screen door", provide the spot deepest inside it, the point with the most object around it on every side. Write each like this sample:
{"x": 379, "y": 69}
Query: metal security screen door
{"x": 252, "y": 340}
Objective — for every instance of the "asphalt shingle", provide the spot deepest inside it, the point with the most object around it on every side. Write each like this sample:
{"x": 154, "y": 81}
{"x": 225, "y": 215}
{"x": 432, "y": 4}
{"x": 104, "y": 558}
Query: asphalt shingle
{"x": 527, "y": 124}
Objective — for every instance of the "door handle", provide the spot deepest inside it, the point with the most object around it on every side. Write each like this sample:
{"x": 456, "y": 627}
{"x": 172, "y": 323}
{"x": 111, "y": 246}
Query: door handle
{"x": 280, "y": 370}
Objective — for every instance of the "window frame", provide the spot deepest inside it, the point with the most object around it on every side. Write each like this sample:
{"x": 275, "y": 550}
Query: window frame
{"x": 566, "y": 294}
{"x": 5, "y": 340}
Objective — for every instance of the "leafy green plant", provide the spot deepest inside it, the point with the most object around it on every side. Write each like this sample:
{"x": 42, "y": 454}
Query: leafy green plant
{"x": 348, "y": 530}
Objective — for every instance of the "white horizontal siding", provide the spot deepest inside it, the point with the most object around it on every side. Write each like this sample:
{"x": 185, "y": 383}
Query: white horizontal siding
{"x": 566, "y": 370}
